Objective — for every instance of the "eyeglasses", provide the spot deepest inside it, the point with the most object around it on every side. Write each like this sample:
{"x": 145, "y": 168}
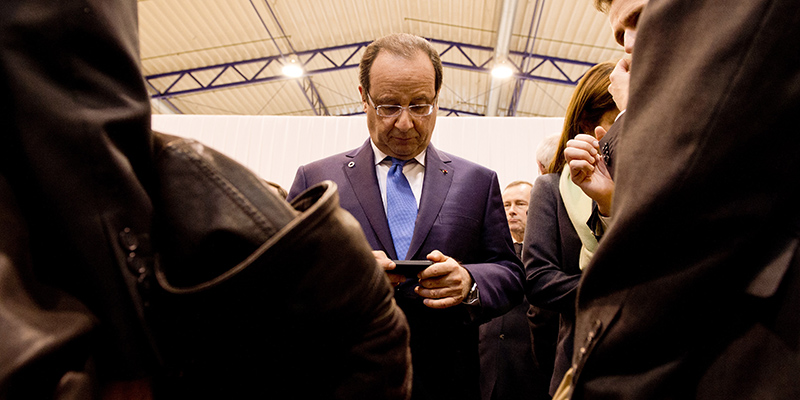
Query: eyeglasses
{"x": 391, "y": 111}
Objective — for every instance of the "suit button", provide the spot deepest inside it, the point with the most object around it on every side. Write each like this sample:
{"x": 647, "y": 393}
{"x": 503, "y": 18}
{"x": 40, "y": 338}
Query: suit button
{"x": 590, "y": 336}
{"x": 128, "y": 240}
{"x": 595, "y": 329}
{"x": 593, "y": 332}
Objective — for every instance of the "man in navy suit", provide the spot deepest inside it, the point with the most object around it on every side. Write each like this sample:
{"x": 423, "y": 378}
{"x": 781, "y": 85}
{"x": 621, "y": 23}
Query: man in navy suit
{"x": 460, "y": 225}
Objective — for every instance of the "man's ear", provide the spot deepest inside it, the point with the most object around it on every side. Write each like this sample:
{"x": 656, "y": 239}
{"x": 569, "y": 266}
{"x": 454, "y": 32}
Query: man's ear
{"x": 363, "y": 98}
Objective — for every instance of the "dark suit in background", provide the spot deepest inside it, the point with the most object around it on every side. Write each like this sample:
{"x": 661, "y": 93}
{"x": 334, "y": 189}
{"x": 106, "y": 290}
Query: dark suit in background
{"x": 693, "y": 292}
{"x": 551, "y": 254}
{"x": 509, "y": 368}
{"x": 460, "y": 214}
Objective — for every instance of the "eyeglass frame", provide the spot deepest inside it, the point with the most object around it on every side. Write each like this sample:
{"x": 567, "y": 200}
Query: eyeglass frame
{"x": 371, "y": 102}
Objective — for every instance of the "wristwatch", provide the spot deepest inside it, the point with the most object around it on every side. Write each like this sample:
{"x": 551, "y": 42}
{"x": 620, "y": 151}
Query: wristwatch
{"x": 472, "y": 296}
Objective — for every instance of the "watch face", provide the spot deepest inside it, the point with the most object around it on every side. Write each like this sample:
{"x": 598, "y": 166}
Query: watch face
{"x": 472, "y": 296}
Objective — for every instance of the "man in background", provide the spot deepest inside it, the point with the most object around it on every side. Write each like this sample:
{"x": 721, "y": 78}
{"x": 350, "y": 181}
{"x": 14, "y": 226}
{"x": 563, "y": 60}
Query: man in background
{"x": 515, "y": 201}
{"x": 509, "y": 368}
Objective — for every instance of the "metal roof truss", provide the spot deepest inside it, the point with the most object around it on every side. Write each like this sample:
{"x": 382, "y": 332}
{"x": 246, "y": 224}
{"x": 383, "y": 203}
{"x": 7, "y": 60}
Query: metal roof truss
{"x": 195, "y": 80}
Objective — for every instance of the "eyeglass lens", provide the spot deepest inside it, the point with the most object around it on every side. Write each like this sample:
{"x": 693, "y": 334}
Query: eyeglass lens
{"x": 417, "y": 110}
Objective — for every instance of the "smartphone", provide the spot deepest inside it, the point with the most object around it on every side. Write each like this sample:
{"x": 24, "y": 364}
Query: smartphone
{"x": 410, "y": 268}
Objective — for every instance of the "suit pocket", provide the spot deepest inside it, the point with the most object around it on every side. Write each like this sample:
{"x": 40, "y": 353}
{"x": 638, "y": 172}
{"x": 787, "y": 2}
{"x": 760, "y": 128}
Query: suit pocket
{"x": 458, "y": 236}
{"x": 459, "y": 220}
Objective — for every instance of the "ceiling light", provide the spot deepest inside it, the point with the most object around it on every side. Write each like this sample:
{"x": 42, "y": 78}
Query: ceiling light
{"x": 502, "y": 70}
{"x": 292, "y": 68}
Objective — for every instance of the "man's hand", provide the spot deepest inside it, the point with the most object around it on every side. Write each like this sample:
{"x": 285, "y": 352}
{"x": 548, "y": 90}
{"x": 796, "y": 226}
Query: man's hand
{"x": 388, "y": 265}
{"x": 589, "y": 171}
{"x": 445, "y": 283}
{"x": 620, "y": 80}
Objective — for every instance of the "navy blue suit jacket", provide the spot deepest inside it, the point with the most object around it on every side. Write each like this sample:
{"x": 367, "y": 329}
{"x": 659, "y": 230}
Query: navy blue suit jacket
{"x": 460, "y": 214}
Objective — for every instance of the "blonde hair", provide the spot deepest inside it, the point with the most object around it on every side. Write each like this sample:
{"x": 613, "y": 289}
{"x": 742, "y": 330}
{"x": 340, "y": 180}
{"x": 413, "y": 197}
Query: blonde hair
{"x": 517, "y": 183}
{"x": 603, "y": 5}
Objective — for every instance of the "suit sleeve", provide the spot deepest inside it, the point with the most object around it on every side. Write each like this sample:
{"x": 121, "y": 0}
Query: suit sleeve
{"x": 548, "y": 284}
{"x": 500, "y": 276}
{"x": 299, "y": 184}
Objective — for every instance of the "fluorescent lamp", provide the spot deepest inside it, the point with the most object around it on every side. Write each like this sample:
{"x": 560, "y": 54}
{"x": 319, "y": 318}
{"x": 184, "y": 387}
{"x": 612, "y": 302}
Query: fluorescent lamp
{"x": 292, "y": 69}
{"x": 502, "y": 71}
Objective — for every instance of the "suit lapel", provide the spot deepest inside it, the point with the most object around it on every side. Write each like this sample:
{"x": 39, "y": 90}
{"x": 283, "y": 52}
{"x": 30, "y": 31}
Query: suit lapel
{"x": 360, "y": 171}
{"x": 438, "y": 177}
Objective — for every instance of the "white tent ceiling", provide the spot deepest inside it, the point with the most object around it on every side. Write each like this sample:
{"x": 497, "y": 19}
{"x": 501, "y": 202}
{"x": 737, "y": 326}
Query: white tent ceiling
{"x": 224, "y": 56}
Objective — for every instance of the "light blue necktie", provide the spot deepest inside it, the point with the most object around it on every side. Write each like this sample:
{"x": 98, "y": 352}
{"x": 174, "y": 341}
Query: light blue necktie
{"x": 401, "y": 208}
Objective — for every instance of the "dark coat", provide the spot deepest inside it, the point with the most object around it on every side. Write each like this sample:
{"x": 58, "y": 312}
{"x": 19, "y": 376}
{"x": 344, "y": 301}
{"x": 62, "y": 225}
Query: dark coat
{"x": 75, "y": 166}
{"x": 517, "y": 352}
{"x": 76, "y": 257}
{"x": 692, "y": 292}
{"x": 551, "y": 256}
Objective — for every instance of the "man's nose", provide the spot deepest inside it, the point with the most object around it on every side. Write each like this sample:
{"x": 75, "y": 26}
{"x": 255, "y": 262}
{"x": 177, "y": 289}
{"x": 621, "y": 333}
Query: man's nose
{"x": 629, "y": 40}
{"x": 404, "y": 121}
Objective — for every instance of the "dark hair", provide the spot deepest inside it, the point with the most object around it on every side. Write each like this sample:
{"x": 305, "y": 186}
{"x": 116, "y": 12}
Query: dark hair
{"x": 589, "y": 103}
{"x": 401, "y": 44}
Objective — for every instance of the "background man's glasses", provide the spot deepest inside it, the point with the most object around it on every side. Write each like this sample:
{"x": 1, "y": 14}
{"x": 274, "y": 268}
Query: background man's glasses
{"x": 391, "y": 111}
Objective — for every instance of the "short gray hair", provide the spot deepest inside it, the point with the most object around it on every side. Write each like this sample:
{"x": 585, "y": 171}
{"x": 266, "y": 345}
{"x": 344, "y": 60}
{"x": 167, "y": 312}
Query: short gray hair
{"x": 547, "y": 149}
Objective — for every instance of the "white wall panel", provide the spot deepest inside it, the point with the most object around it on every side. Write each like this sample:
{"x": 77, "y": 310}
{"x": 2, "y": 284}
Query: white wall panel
{"x": 274, "y": 146}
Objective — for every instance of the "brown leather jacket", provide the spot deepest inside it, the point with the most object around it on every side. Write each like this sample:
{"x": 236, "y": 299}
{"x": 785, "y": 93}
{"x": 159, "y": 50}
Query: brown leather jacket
{"x": 80, "y": 307}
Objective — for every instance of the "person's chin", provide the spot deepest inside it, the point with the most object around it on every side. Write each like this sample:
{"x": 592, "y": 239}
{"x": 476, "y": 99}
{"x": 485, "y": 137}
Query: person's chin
{"x": 405, "y": 150}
